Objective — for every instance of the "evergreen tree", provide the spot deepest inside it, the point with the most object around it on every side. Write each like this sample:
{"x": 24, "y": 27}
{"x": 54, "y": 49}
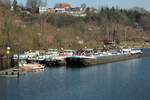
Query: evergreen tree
{"x": 15, "y": 5}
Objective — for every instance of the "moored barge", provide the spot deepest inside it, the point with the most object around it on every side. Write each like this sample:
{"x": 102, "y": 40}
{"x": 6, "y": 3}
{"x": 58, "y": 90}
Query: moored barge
{"x": 95, "y": 58}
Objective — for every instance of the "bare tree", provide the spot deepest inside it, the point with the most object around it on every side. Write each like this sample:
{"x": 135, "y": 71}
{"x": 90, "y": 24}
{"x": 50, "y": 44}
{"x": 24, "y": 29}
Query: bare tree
{"x": 5, "y": 3}
{"x": 33, "y": 3}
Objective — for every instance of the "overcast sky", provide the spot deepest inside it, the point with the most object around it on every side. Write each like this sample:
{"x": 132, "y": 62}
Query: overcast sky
{"x": 98, "y": 3}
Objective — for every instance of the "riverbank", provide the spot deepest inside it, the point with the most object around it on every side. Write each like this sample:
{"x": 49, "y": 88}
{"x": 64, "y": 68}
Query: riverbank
{"x": 62, "y": 31}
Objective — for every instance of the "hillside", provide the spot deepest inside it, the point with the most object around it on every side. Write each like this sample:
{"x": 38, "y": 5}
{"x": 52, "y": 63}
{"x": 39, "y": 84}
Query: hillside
{"x": 61, "y": 30}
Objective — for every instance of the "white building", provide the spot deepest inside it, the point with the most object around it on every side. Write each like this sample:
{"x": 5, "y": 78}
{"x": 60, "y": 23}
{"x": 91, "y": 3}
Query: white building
{"x": 43, "y": 7}
{"x": 43, "y": 10}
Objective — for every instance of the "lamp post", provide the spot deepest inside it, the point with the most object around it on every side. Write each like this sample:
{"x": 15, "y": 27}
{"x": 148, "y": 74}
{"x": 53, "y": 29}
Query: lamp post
{"x": 8, "y": 52}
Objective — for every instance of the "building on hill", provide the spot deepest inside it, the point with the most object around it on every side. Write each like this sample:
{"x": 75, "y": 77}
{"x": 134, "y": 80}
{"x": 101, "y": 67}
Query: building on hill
{"x": 43, "y": 7}
{"x": 66, "y": 8}
{"x": 51, "y": 10}
{"x": 77, "y": 11}
{"x": 43, "y": 10}
{"x": 62, "y": 7}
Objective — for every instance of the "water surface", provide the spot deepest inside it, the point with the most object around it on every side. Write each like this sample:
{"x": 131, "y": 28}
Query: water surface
{"x": 125, "y": 80}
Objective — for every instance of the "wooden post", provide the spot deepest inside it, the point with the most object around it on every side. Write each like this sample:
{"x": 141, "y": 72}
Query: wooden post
{"x": 18, "y": 51}
{"x": 1, "y": 61}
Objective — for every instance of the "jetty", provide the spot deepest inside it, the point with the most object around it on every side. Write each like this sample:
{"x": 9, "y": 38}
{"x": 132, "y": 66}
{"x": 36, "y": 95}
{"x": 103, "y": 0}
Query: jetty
{"x": 12, "y": 73}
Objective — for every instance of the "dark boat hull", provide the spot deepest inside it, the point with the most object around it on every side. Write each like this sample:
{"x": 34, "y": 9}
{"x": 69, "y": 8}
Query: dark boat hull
{"x": 78, "y": 62}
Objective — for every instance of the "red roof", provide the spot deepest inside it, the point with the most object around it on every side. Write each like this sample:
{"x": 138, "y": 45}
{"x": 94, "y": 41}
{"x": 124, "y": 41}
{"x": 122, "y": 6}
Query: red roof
{"x": 63, "y": 5}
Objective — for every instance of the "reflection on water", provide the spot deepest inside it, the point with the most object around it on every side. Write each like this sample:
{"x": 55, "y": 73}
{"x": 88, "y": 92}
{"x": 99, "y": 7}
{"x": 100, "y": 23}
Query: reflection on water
{"x": 125, "y": 80}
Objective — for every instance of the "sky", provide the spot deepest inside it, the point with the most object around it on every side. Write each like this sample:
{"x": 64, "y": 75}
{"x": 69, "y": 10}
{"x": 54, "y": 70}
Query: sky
{"x": 99, "y": 3}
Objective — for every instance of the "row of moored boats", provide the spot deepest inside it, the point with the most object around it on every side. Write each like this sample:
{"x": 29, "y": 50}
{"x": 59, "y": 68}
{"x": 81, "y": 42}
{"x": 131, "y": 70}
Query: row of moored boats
{"x": 74, "y": 58}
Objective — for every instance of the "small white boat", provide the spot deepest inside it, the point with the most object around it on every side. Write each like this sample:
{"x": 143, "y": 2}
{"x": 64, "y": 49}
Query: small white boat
{"x": 30, "y": 67}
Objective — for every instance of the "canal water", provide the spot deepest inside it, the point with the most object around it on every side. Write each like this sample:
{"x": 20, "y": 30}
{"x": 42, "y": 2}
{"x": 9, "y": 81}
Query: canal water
{"x": 125, "y": 80}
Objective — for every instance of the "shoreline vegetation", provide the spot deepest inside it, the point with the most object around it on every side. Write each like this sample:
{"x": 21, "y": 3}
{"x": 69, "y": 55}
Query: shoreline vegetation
{"x": 64, "y": 31}
{"x": 24, "y": 32}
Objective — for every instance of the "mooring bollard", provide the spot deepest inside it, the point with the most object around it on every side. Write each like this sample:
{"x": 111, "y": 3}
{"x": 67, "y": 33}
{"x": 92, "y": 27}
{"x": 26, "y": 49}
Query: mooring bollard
{"x": 18, "y": 74}
{"x": 6, "y": 73}
{"x": 12, "y": 73}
